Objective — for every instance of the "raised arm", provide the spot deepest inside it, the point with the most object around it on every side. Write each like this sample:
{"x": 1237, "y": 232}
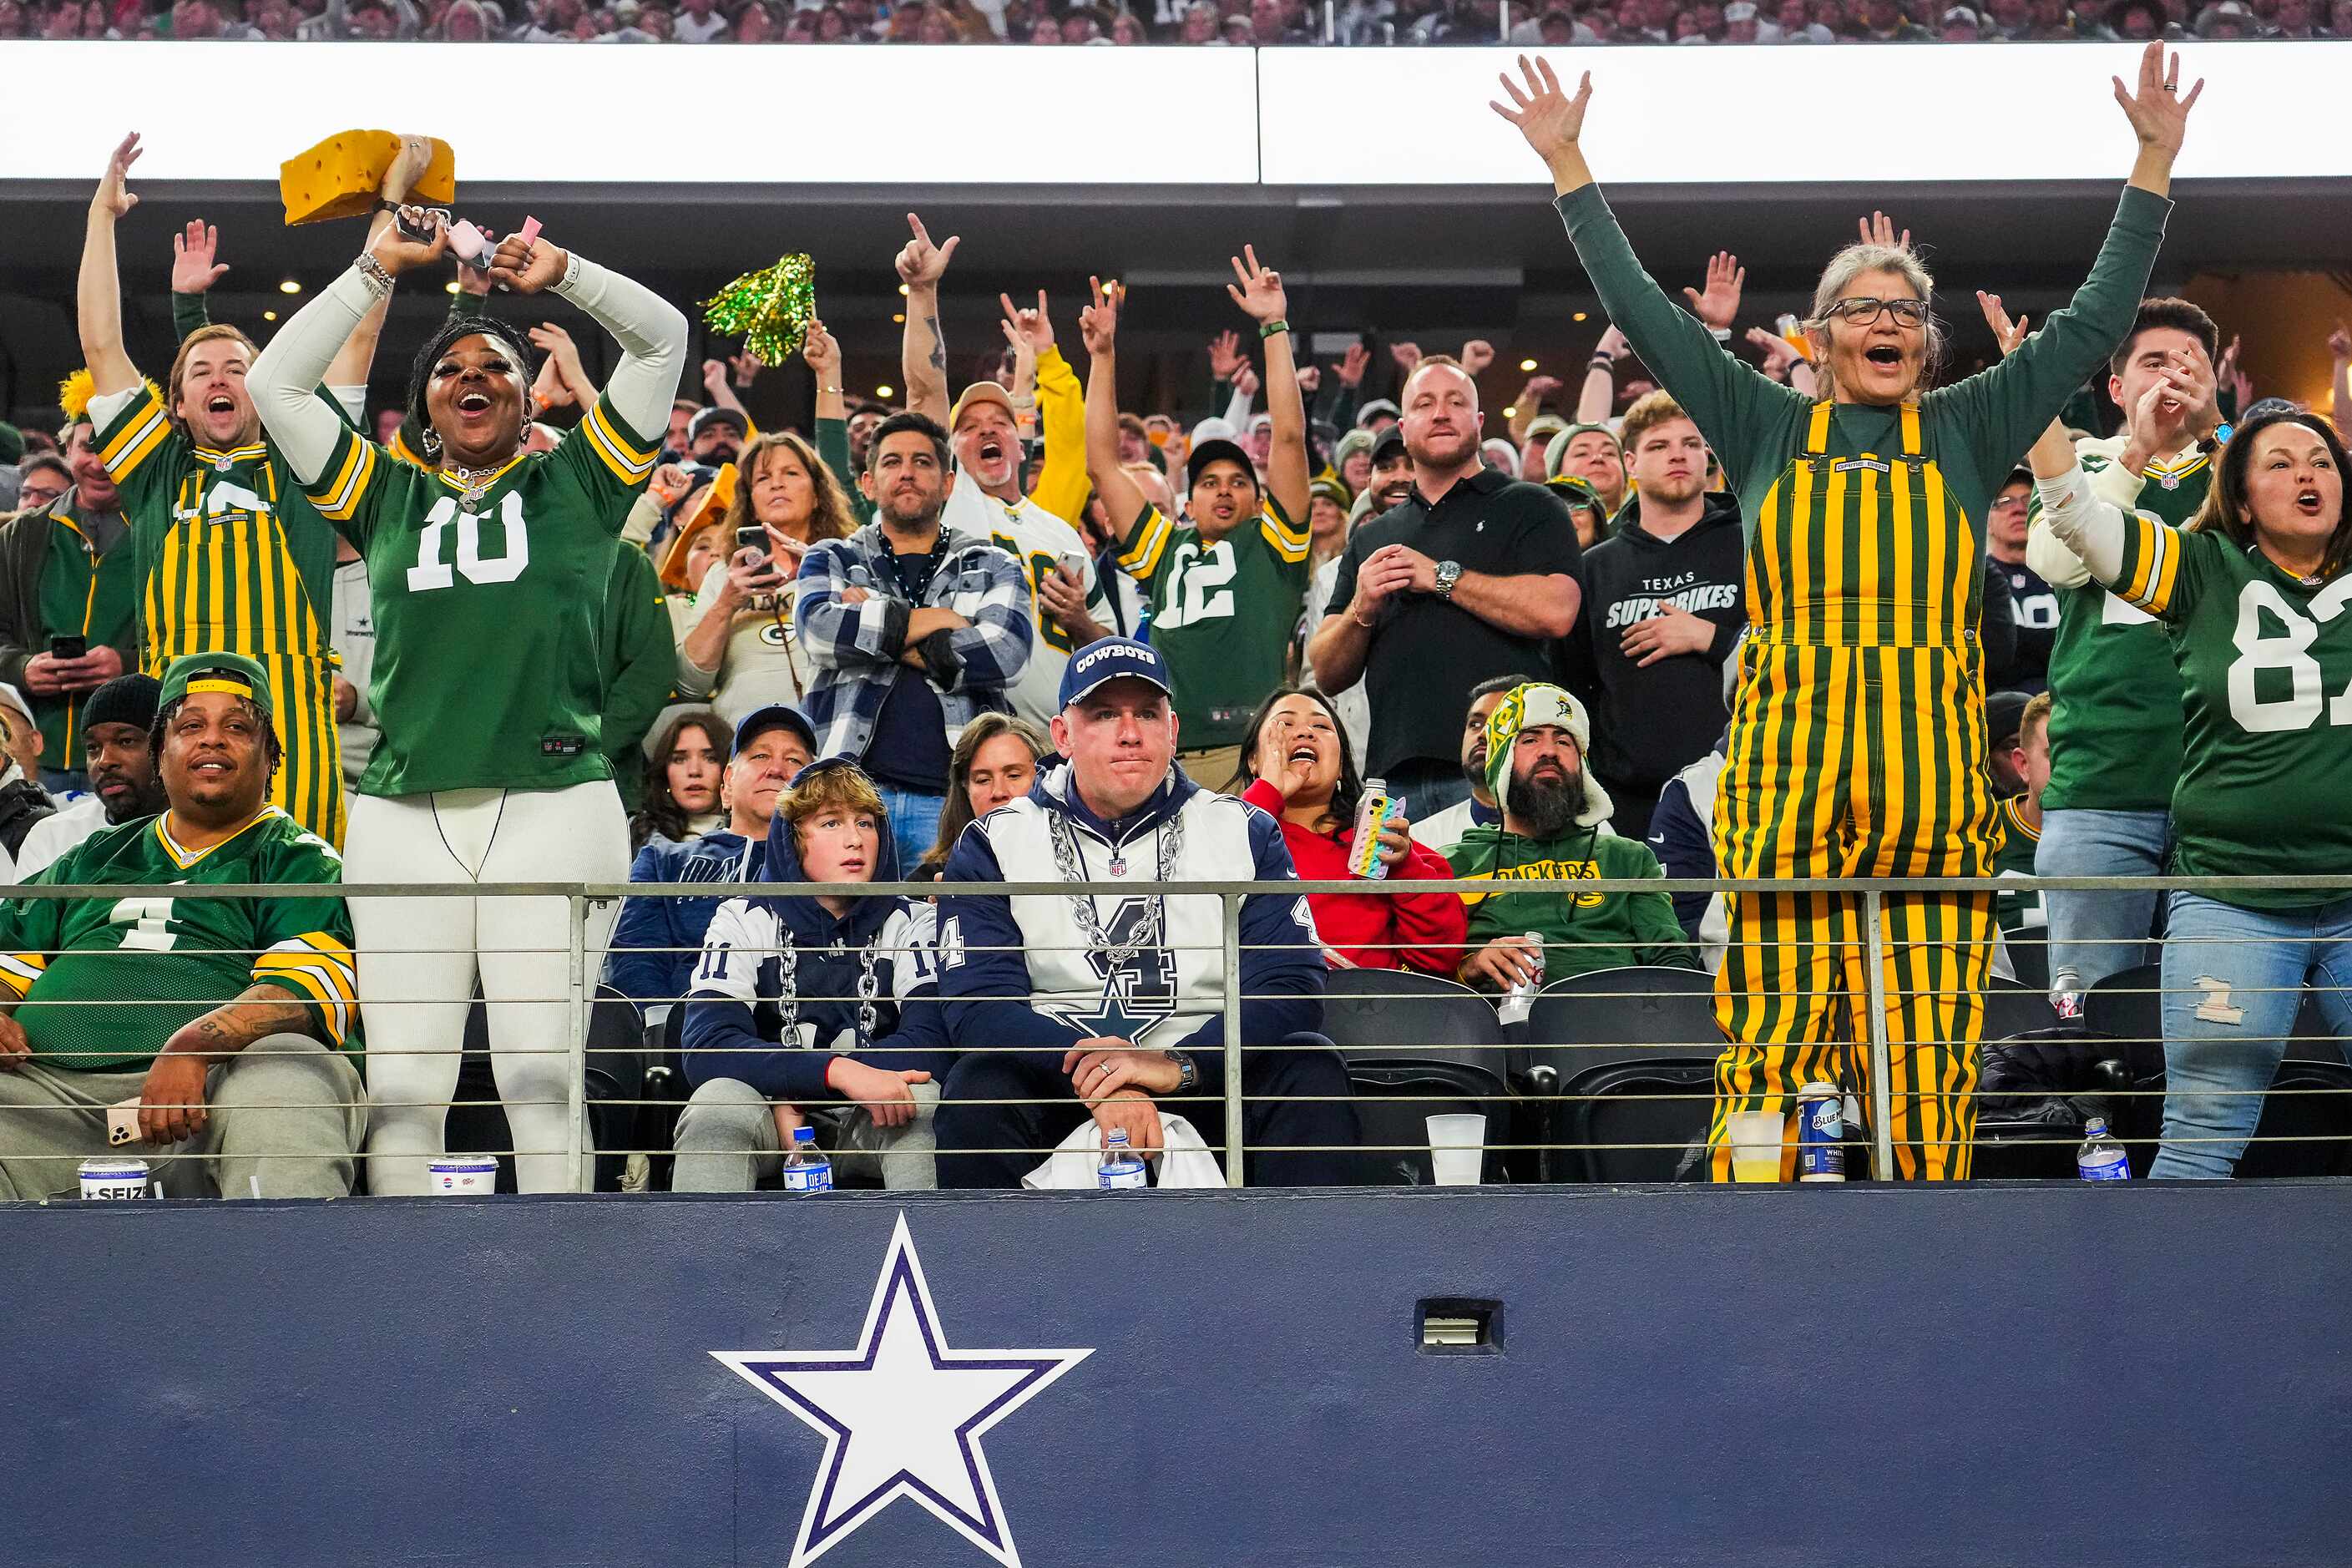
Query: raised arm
{"x": 357, "y": 358}
{"x": 99, "y": 291}
{"x": 923, "y": 351}
{"x": 823, "y": 353}
{"x": 1260, "y": 293}
{"x": 1732, "y": 402}
{"x": 1598, "y": 397}
{"x": 2007, "y": 405}
{"x": 282, "y": 379}
{"x": 650, "y": 330}
{"x": 1122, "y": 500}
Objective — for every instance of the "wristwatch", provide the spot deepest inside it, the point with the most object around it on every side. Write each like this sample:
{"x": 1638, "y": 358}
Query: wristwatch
{"x": 1188, "y": 1072}
{"x": 1448, "y": 573}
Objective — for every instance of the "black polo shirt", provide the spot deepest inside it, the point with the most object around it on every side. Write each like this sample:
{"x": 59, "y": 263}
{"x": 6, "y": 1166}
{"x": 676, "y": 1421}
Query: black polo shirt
{"x": 1426, "y": 653}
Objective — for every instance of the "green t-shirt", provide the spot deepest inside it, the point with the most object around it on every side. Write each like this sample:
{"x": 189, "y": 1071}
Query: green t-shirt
{"x": 2114, "y": 719}
{"x": 492, "y": 604}
{"x": 1976, "y": 429}
{"x": 2020, "y": 910}
{"x": 2265, "y": 666}
{"x": 1222, "y": 613}
{"x": 85, "y": 593}
{"x": 1582, "y": 931}
{"x": 102, "y": 983}
{"x": 641, "y": 661}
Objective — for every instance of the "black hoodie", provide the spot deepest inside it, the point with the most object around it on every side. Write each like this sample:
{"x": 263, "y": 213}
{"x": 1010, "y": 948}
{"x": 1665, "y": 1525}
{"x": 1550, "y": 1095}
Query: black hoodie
{"x": 1648, "y": 724}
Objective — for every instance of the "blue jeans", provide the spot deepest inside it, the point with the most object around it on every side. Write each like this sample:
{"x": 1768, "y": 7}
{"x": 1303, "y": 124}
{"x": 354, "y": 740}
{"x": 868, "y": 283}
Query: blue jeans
{"x": 914, "y": 822}
{"x": 1427, "y": 787}
{"x": 2100, "y": 933}
{"x": 2233, "y": 980}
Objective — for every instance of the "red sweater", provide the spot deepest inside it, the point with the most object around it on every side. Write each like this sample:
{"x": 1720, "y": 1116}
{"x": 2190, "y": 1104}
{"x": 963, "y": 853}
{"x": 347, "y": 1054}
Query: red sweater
{"x": 1431, "y": 926}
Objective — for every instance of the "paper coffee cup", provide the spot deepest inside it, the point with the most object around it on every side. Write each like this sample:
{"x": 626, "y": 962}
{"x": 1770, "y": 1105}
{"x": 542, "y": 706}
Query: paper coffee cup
{"x": 472, "y": 1175}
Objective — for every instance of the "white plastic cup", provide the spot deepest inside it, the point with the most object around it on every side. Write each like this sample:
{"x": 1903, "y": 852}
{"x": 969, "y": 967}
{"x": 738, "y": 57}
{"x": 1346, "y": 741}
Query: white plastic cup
{"x": 471, "y": 1176}
{"x": 113, "y": 1179}
{"x": 1755, "y": 1138}
{"x": 1457, "y": 1149}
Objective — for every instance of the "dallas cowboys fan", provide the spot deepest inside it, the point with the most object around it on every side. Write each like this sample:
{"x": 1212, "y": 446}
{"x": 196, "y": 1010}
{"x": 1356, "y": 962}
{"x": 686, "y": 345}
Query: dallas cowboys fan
{"x": 1074, "y": 1006}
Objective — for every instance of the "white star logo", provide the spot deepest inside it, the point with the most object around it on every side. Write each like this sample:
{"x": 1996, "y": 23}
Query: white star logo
{"x": 902, "y": 1414}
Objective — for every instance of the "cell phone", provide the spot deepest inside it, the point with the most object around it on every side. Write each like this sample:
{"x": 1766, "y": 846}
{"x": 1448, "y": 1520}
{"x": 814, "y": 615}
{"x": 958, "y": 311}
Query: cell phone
{"x": 122, "y": 1122}
{"x": 751, "y": 536}
{"x": 62, "y": 646}
{"x": 422, "y": 235}
{"x": 1073, "y": 566}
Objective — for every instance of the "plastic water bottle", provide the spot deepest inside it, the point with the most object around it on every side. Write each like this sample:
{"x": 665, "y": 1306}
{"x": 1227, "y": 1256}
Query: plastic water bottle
{"x": 1372, "y": 812}
{"x": 1521, "y": 999}
{"x": 1121, "y": 1169}
{"x": 806, "y": 1170}
{"x": 2066, "y": 994}
{"x": 2101, "y": 1158}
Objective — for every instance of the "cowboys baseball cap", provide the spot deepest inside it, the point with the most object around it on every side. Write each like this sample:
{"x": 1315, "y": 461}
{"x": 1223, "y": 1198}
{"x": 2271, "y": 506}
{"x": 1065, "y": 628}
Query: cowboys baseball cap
{"x": 775, "y": 716}
{"x": 1112, "y": 658}
{"x": 228, "y": 672}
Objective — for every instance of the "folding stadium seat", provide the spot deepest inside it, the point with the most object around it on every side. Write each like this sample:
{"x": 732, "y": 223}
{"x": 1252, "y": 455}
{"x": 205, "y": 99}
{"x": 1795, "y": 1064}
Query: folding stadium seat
{"x": 2306, "y": 1125}
{"x": 2037, "y": 1091}
{"x": 2013, "y": 1007}
{"x": 1634, "y": 1120}
{"x": 1417, "y": 1046}
{"x": 1617, "y": 1018}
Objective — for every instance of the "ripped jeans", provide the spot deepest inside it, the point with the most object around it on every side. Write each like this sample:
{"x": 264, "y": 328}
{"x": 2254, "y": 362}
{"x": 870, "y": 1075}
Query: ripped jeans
{"x": 2233, "y": 980}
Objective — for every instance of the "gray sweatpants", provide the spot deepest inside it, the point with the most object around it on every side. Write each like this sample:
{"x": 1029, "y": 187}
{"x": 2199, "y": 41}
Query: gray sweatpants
{"x": 727, "y": 1142}
{"x": 285, "y": 1112}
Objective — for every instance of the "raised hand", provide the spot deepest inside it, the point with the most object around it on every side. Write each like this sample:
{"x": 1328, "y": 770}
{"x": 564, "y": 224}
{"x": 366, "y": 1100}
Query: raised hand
{"x": 1545, "y": 115}
{"x": 407, "y": 167}
{"x": 1098, "y": 323}
{"x": 1879, "y": 230}
{"x": 1613, "y": 343}
{"x": 1407, "y": 355}
{"x": 1246, "y": 381}
{"x": 193, "y": 271}
{"x": 822, "y": 353}
{"x": 714, "y": 376}
{"x": 1310, "y": 379}
{"x": 1225, "y": 354}
{"x": 1034, "y": 326}
{"x": 1538, "y": 387}
{"x": 2158, "y": 114}
{"x": 743, "y": 366}
{"x": 547, "y": 389}
{"x": 920, "y": 263}
{"x": 2009, "y": 335}
{"x": 114, "y": 195}
{"x": 528, "y": 266}
{"x": 1352, "y": 365}
{"x": 396, "y": 253}
{"x": 1718, "y": 305}
{"x": 2166, "y": 413}
{"x": 1476, "y": 356}
{"x": 1260, "y": 294}
{"x": 1779, "y": 357}
{"x": 2339, "y": 341}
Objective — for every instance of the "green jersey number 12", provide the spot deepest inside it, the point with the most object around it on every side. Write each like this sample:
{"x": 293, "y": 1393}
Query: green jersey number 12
{"x": 432, "y": 570}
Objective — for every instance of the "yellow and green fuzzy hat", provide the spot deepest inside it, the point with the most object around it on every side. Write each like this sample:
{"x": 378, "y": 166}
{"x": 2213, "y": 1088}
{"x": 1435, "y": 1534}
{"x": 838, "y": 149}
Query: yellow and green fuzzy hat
{"x": 1538, "y": 703}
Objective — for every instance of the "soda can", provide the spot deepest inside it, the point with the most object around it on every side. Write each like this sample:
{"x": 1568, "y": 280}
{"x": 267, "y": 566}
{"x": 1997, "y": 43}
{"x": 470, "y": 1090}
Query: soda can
{"x": 1820, "y": 1133}
{"x": 113, "y": 1179}
{"x": 474, "y": 1175}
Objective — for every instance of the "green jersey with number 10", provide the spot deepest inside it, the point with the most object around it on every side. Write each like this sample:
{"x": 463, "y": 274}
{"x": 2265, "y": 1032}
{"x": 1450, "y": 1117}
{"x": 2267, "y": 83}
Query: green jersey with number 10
{"x": 2266, "y": 670}
{"x": 488, "y": 603}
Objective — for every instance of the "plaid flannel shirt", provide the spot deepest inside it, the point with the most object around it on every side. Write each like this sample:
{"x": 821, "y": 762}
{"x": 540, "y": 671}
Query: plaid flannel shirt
{"x": 856, "y": 648}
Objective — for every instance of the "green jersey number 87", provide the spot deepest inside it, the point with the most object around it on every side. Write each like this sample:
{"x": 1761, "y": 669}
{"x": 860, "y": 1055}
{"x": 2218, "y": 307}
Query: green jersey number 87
{"x": 2289, "y": 651}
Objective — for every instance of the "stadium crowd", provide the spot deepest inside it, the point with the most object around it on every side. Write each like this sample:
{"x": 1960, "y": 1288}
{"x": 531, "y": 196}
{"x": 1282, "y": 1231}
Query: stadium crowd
{"x": 1720, "y": 609}
{"x": 1242, "y": 23}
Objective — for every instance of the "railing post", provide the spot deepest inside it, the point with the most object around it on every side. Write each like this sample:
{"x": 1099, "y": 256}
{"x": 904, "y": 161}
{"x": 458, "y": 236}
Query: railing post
{"x": 1232, "y": 954}
{"x": 1882, "y": 1065}
{"x": 576, "y": 1089}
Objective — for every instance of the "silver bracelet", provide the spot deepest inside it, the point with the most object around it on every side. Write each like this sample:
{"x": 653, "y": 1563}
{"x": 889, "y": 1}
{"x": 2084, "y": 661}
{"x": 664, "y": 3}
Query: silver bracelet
{"x": 570, "y": 278}
{"x": 369, "y": 268}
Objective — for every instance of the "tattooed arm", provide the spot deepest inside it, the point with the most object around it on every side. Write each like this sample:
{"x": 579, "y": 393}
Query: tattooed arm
{"x": 923, "y": 354}
{"x": 171, "y": 1101}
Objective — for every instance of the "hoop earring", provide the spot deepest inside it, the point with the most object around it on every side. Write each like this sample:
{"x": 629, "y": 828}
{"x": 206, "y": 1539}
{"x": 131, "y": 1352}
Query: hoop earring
{"x": 431, "y": 442}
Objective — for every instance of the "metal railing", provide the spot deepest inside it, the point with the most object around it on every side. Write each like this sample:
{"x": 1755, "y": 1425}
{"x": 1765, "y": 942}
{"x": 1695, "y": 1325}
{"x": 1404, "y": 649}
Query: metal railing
{"x": 584, "y": 961}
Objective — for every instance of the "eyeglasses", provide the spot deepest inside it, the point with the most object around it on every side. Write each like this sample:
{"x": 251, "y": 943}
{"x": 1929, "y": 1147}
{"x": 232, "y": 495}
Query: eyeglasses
{"x": 1864, "y": 310}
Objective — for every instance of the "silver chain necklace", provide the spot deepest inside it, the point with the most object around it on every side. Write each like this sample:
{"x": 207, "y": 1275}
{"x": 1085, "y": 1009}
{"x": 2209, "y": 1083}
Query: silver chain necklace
{"x": 476, "y": 480}
{"x": 869, "y": 985}
{"x": 1169, "y": 837}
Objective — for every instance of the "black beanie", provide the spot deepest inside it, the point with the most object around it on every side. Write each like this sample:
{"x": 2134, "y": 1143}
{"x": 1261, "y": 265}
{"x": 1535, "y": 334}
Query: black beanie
{"x": 126, "y": 699}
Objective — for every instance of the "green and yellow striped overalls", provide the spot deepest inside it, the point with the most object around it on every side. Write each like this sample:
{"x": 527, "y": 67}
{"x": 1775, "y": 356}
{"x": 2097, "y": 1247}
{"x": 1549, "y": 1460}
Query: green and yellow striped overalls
{"x": 1857, "y": 750}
